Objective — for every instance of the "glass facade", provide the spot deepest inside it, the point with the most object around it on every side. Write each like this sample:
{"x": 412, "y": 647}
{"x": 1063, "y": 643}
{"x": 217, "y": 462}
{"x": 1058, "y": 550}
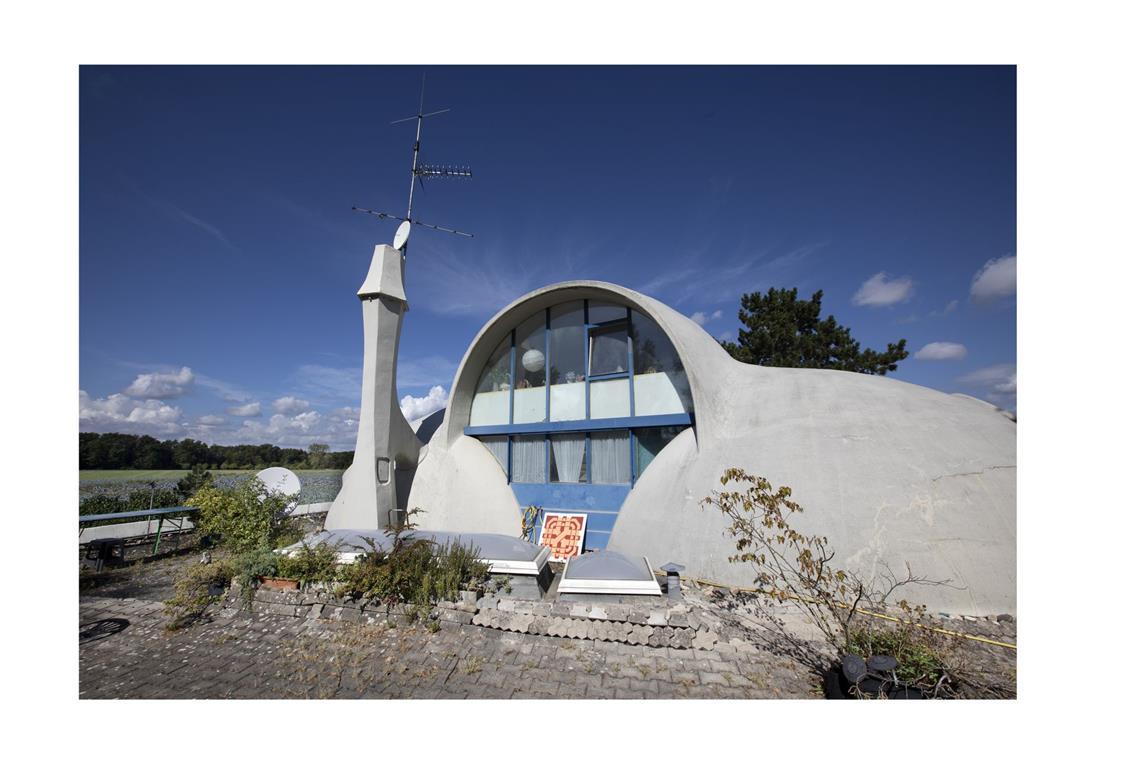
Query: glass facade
{"x": 560, "y": 399}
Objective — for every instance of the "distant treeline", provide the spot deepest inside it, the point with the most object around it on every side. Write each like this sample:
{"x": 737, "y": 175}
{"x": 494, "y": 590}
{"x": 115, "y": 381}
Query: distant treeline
{"x": 121, "y": 451}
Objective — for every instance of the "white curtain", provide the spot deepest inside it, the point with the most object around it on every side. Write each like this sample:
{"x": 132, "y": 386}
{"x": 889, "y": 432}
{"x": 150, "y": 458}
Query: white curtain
{"x": 498, "y": 446}
{"x": 609, "y": 457}
{"x": 569, "y": 451}
{"x": 528, "y": 459}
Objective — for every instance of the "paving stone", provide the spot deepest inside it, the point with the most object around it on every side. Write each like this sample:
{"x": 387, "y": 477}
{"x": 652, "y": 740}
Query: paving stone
{"x": 681, "y": 638}
{"x": 704, "y": 640}
{"x": 259, "y": 655}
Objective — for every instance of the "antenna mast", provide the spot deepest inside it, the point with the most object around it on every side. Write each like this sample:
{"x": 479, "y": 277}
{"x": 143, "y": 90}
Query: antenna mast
{"x": 418, "y": 174}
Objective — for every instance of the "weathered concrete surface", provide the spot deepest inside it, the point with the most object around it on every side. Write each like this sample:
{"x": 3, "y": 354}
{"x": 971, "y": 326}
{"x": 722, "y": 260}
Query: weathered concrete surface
{"x": 387, "y": 449}
{"x": 892, "y": 473}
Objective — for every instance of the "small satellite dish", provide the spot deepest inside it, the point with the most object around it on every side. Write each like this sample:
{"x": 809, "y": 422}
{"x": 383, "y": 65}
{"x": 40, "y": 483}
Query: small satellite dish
{"x": 402, "y": 232}
{"x": 282, "y": 481}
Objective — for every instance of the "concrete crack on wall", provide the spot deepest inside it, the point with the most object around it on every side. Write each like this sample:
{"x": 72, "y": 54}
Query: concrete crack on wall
{"x": 979, "y": 472}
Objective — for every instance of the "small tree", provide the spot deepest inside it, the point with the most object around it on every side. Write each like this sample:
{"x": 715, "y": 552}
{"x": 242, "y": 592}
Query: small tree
{"x": 782, "y": 331}
{"x": 795, "y": 568}
{"x": 318, "y": 456}
{"x": 195, "y": 480}
{"x": 248, "y": 518}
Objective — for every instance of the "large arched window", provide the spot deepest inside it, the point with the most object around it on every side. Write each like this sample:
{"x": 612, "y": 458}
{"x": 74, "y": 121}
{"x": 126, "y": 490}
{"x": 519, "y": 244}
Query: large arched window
{"x": 583, "y": 392}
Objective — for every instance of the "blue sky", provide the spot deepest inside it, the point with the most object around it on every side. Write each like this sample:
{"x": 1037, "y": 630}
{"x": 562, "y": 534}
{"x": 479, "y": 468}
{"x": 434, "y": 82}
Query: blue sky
{"x": 219, "y": 258}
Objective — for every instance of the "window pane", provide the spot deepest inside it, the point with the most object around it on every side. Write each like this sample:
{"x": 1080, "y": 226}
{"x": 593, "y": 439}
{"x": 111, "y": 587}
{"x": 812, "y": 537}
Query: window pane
{"x": 567, "y": 362}
{"x": 600, "y": 311}
{"x": 567, "y": 459}
{"x": 530, "y": 370}
{"x": 660, "y": 383}
{"x": 491, "y": 404}
{"x": 567, "y": 347}
{"x": 528, "y": 459}
{"x": 650, "y": 441}
{"x": 609, "y": 457}
{"x": 609, "y": 350}
{"x": 609, "y": 398}
{"x": 498, "y": 446}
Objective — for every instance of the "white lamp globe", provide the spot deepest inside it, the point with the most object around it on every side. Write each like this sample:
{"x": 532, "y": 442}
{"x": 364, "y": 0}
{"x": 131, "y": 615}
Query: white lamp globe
{"x": 533, "y": 360}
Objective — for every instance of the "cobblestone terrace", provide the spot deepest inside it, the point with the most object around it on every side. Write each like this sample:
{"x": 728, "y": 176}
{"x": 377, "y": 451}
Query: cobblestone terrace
{"x": 125, "y": 652}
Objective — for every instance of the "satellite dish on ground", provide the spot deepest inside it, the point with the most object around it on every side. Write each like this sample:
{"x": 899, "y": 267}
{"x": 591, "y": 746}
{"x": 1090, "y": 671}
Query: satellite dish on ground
{"x": 402, "y": 232}
{"x": 283, "y": 481}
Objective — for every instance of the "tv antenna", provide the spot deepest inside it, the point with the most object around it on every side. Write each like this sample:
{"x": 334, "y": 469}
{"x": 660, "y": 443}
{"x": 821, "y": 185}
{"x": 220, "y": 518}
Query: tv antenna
{"x": 420, "y": 172}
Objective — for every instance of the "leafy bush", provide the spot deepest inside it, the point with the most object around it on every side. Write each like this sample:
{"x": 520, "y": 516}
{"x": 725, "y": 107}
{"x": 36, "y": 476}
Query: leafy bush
{"x": 310, "y": 564}
{"x": 416, "y": 572}
{"x": 105, "y": 504}
{"x": 247, "y": 518}
{"x": 920, "y": 664}
{"x": 255, "y": 564}
{"x": 195, "y": 590}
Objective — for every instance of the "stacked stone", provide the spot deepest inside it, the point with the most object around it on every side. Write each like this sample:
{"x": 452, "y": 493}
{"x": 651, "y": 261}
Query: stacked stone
{"x": 675, "y": 627}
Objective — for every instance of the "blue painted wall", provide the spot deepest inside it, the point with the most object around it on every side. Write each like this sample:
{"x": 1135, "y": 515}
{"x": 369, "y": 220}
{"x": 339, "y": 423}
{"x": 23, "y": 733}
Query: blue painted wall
{"x": 600, "y": 502}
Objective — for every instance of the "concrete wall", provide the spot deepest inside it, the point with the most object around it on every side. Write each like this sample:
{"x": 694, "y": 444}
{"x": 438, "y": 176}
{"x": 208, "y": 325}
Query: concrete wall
{"x": 890, "y": 472}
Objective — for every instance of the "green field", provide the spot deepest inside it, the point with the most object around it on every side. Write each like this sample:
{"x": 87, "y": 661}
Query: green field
{"x": 148, "y": 475}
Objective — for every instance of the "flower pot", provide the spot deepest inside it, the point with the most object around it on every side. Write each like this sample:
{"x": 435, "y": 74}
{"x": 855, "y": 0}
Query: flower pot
{"x": 281, "y": 584}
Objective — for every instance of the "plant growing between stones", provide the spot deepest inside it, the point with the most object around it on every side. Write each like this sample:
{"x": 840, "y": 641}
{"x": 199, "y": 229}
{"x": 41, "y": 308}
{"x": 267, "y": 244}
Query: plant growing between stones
{"x": 415, "y": 571}
{"x": 195, "y": 591}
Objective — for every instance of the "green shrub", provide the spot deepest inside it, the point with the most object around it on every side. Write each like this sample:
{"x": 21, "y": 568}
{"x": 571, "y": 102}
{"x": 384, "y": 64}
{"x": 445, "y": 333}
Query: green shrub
{"x": 246, "y": 518}
{"x": 105, "y": 504}
{"x": 310, "y": 564}
{"x": 192, "y": 592}
{"x": 195, "y": 480}
{"x": 919, "y": 663}
{"x": 255, "y": 564}
{"x": 416, "y": 572}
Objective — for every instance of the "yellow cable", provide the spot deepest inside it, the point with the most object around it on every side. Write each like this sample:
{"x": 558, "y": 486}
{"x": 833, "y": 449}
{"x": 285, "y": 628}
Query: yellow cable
{"x": 861, "y": 611}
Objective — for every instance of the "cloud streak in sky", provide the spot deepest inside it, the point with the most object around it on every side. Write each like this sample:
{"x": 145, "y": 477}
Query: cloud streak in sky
{"x": 941, "y": 350}
{"x": 995, "y": 280}
{"x": 161, "y": 384}
{"x": 880, "y": 290}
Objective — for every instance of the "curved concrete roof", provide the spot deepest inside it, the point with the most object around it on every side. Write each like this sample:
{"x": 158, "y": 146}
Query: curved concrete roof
{"x": 892, "y": 473}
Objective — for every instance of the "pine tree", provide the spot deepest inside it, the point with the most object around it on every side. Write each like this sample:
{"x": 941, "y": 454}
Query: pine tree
{"x": 782, "y": 331}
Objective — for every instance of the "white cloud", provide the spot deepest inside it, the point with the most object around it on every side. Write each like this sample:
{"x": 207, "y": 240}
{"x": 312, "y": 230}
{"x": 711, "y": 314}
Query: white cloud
{"x": 228, "y": 392}
{"x": 290, "y": 405}
{"x": 997, "y": 279}
{"x": 161, "y": 384}
{"x": 999, "y": 382}
{"x": 211, "y": 420}
{"x": 336, "y": 428}
{"x": 880, "y": 291}
{"x": 415, "y": 408}
{"x": 342, "y": 384}
{"x": 947, "y": 310}
{"x": 122, "y": 414}
{"x": 703, "y": 319}
{"x": 941, "y": 350}
{"x": 252, "y": 409}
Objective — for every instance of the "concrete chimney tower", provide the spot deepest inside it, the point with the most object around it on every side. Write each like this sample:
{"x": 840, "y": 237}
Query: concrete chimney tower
{"x": 374, "y": 489}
